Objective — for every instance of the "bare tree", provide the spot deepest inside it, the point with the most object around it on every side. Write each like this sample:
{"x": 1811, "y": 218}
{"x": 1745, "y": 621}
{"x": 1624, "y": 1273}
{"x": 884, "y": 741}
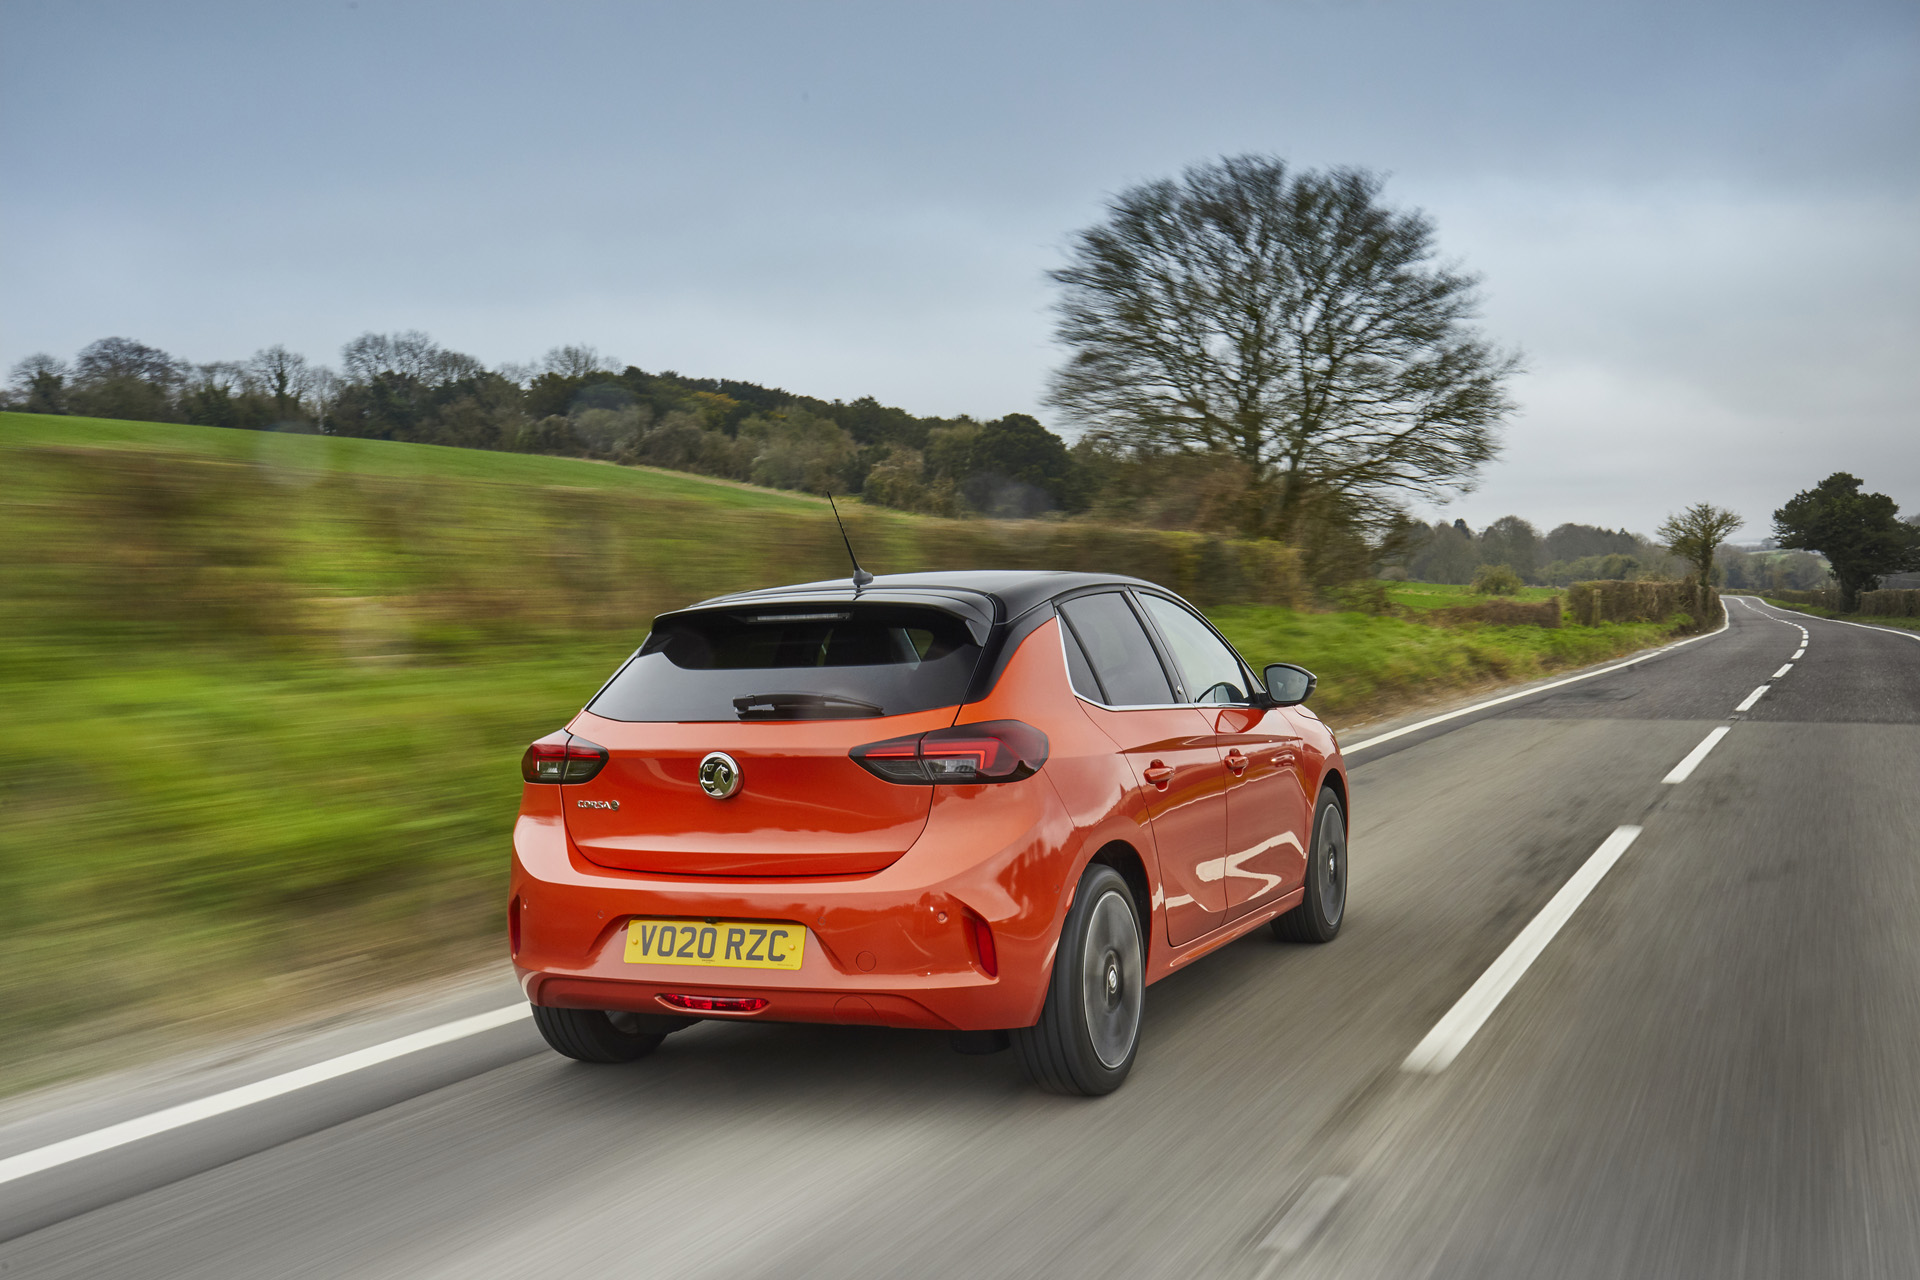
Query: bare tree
{"x": 111, "y": 358}
{"x": 575, "y": 360}
{"x": 282, "y": 374}
{"x": 1694, "y": 535}
{"x": 323, "y": 388}
{"x": 1289, "y": 320}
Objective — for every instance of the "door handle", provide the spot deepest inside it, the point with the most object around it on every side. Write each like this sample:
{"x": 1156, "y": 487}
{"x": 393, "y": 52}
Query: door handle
{"x": 1237, "y": 761}
{"x": 1159, "y": 773}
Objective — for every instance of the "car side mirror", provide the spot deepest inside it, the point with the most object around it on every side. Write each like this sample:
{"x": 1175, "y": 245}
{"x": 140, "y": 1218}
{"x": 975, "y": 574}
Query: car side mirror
{"x": 1288, "y": 685}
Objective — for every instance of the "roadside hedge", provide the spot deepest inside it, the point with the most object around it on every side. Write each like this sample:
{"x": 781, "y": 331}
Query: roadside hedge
{"x": 1896, "y": 603}
{"x": 1593, "y": 603}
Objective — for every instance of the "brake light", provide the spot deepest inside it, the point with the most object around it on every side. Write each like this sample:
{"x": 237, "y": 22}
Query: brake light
{"x": 715, "y": 1004}
{"x": 563, "y": 759}
{"x": 983, "y": 951}
{"x": 990, "y": 751}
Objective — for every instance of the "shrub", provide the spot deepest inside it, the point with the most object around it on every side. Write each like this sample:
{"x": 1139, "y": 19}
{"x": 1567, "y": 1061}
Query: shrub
{"x": 1496, "y": 580}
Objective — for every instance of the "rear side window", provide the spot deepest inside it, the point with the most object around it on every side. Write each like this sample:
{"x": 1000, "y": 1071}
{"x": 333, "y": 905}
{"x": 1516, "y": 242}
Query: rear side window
{"x": 1117, "y": 649}
{"x": 794, "y": 664}
{"x": 1212, "y": 671}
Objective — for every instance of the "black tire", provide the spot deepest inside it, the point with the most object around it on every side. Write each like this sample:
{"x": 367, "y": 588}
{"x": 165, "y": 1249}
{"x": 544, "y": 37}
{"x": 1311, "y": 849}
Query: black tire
{"x": 1089, "y": 1029}
{"x": 1320, "y": 913}
{"x": 599, "y": 1035}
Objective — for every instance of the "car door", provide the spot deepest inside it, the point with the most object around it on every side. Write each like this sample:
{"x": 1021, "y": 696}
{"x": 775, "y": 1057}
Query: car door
{"x": 1130, "y": 695}
{"x": 1268, "y": 810}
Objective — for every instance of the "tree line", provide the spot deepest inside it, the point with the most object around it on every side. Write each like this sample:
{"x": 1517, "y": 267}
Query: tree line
{"x": 1569, "y": 553}
{"x": 406, "y": 387}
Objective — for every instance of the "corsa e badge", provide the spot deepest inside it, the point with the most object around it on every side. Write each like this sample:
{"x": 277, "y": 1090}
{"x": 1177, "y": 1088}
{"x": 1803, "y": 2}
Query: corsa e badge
{"x": 598, "y": 804}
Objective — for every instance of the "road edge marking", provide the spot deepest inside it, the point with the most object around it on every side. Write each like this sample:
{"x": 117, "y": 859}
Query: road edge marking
{"x": 119, "y": 1135}
{"x": 1726, "y": 620}
{"x": 1684, "y": 770}
{"x": 1440, "y": 1046}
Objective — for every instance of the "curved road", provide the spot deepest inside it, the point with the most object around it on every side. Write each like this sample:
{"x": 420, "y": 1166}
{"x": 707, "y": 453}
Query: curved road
{"x": 1594, "y": 1014}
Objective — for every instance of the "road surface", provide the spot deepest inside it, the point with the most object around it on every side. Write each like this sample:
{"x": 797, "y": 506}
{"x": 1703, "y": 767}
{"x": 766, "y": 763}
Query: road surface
{"x": 1595, "y": 1013}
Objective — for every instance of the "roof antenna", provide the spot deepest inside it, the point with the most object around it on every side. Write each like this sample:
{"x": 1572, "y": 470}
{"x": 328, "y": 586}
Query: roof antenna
{"x": 860, "y": 576}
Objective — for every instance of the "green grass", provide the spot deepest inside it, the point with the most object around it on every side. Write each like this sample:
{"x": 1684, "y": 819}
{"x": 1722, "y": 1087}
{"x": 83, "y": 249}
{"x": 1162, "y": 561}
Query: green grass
{"x": 265, "y": 695}
{"x": 1370, "y": 665}
{"x": 1421, "y": 596}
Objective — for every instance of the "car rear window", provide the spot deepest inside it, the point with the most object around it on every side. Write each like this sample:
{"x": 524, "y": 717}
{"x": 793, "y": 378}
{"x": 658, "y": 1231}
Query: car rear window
{"x": 794, "y": 663}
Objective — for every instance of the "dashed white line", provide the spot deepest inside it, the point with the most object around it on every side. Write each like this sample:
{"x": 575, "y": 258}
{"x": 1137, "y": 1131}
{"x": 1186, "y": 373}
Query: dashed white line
{"x": 1782, "y": 671}
{"x": 1684, "y": 770}
{"x": 1754, "y": 697}
{"x": 119, "y": 1135}
{"x": 1451, "y": 1034}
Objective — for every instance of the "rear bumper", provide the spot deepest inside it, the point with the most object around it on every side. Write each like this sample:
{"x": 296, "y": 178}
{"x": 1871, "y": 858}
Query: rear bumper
{"x": 890, "y": 948}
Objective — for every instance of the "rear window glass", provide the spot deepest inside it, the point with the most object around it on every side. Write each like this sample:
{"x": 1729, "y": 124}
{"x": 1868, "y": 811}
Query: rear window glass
{"x": 795, "y": 664}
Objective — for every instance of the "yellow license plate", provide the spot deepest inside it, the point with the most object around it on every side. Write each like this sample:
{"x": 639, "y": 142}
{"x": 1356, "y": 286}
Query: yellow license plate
{"x": 723, "y": 944}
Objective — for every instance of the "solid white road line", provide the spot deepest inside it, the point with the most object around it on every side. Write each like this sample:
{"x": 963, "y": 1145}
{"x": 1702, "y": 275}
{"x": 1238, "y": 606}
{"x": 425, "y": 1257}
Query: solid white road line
{"x": 1782, "y": 671}
{"x": 1684, "y": 770}
{"x": 1754, "y": 697}
{"x": 1726, "y": 619}
{"x": 119, "y": 1135}
{"x": 1451, "y": 1034}
{"x": 1892, "y": 631}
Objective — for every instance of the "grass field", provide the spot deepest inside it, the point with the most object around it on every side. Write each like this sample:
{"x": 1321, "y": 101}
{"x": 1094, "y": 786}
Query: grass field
{"x": 1422, "y": 596}
{"x": 265, "y": 697}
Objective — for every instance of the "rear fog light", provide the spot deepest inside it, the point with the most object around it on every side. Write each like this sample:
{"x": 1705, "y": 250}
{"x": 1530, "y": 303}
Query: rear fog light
{"x": 716, "y": 1004}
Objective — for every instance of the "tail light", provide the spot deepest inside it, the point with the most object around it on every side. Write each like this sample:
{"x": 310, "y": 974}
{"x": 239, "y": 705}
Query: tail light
{"x": 982, "y": 935}
{"x": 562, "y": 758}
{"x": 990, "y": 751}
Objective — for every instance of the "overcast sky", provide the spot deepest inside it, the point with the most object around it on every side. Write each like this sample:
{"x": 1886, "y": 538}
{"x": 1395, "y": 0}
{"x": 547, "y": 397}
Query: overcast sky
{"x": 1699, "y": 222}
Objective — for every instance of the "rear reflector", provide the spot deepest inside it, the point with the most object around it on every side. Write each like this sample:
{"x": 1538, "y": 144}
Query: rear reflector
{"x": 716, "y": 1004}
{"x": 983, "y": 950}
{"x": 562, "y": 758}
{"x": 990, "y": 751}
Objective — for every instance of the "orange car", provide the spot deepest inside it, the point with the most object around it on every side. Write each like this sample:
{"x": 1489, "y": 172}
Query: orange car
{"x": 995, "y": 804}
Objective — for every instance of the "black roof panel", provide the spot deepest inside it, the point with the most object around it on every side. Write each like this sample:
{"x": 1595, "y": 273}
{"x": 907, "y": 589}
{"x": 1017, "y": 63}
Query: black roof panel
{"x": 1014, "y": 590}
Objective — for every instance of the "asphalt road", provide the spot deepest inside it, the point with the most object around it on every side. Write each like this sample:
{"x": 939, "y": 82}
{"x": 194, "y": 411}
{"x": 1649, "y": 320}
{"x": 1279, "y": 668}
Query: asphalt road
{"x": 1712, "y": 1069}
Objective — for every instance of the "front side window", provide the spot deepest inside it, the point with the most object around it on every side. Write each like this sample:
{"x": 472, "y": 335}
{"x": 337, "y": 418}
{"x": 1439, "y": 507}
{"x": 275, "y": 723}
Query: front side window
{"x": 1209, "y": 666}
{"x": 1117, "y": 650}
{"x": 794, "y": 663}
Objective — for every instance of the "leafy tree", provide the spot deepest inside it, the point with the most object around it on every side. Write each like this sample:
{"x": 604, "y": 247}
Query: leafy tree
{"x": 1860, "y": 534}
{"x": 1695, "y": 535}
{"x": 1512, "y": 542}
{"x": 1496, "y": 580}
{"x": 1578, "y": 541}
{"x": 41, "y": 383}
{"x": 1016, "y": 467}
{"x": 1288, "y": 319}
{"x": 1446, "y": 555}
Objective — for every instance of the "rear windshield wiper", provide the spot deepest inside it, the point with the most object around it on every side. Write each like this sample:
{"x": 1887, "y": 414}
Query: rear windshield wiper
{"x": 824, "y": 706}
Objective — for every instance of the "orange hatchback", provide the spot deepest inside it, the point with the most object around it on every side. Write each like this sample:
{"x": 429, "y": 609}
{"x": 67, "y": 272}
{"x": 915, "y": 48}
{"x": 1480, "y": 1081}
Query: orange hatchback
{"x": 996, "y": 804}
